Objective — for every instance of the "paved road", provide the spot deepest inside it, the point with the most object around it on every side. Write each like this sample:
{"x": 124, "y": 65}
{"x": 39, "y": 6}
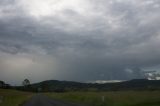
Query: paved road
{"x": 42, "y": 100}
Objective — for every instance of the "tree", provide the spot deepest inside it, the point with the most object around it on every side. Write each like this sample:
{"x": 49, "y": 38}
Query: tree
{"x": 2, "y": 84}
{"x": 26, "y": 82}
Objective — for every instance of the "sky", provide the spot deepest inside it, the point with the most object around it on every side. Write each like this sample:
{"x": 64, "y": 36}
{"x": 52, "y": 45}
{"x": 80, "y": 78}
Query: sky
{"x": 78, "y": 40}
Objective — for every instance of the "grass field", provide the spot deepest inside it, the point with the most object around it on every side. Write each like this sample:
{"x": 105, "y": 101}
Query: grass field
{"x": 119, "y": 98}
{"x": 13, "y": 97}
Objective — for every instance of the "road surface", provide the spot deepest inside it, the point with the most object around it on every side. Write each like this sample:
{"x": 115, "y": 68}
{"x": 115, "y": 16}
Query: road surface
{"x": 42, "y": 100}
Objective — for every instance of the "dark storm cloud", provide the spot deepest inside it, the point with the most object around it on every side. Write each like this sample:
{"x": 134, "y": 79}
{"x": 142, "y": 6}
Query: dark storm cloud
{"x": 106, "y": 39}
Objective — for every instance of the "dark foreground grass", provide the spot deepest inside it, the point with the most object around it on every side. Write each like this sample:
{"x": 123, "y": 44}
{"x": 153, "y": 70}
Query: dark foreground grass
{"x": 13, "y": 97}
{"x": 118, "y": 98}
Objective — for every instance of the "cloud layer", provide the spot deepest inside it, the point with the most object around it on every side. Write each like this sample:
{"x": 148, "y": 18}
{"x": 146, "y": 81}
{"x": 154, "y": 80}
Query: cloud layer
{"x": 78, "y": 40}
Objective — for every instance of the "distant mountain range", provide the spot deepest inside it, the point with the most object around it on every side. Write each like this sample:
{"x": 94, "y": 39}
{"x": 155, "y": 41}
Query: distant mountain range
{"x": 64, "y": 86}
{"x": 106, "y": 81}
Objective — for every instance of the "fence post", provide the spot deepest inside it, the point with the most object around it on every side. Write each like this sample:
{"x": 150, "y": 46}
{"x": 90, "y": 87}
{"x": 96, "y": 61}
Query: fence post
{"x": 103, "y": 98}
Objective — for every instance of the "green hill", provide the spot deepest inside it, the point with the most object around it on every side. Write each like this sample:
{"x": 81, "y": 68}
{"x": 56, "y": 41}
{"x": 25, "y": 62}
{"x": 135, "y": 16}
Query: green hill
{"x": 63, "y": 86}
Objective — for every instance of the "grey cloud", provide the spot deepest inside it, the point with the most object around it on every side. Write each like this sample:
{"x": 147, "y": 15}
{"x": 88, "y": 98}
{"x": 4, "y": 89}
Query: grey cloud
{"x": 100, "y": 43}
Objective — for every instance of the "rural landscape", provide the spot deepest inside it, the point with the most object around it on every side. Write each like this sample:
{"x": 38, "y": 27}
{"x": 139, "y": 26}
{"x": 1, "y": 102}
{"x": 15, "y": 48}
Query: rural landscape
{"x": 140, "y": 92}
{"x": 79, "y": 52}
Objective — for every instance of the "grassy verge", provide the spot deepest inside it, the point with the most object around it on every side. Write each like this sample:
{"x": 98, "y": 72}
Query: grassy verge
{"x": 119, "y": 98}
{"x": 13, "y": 97}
